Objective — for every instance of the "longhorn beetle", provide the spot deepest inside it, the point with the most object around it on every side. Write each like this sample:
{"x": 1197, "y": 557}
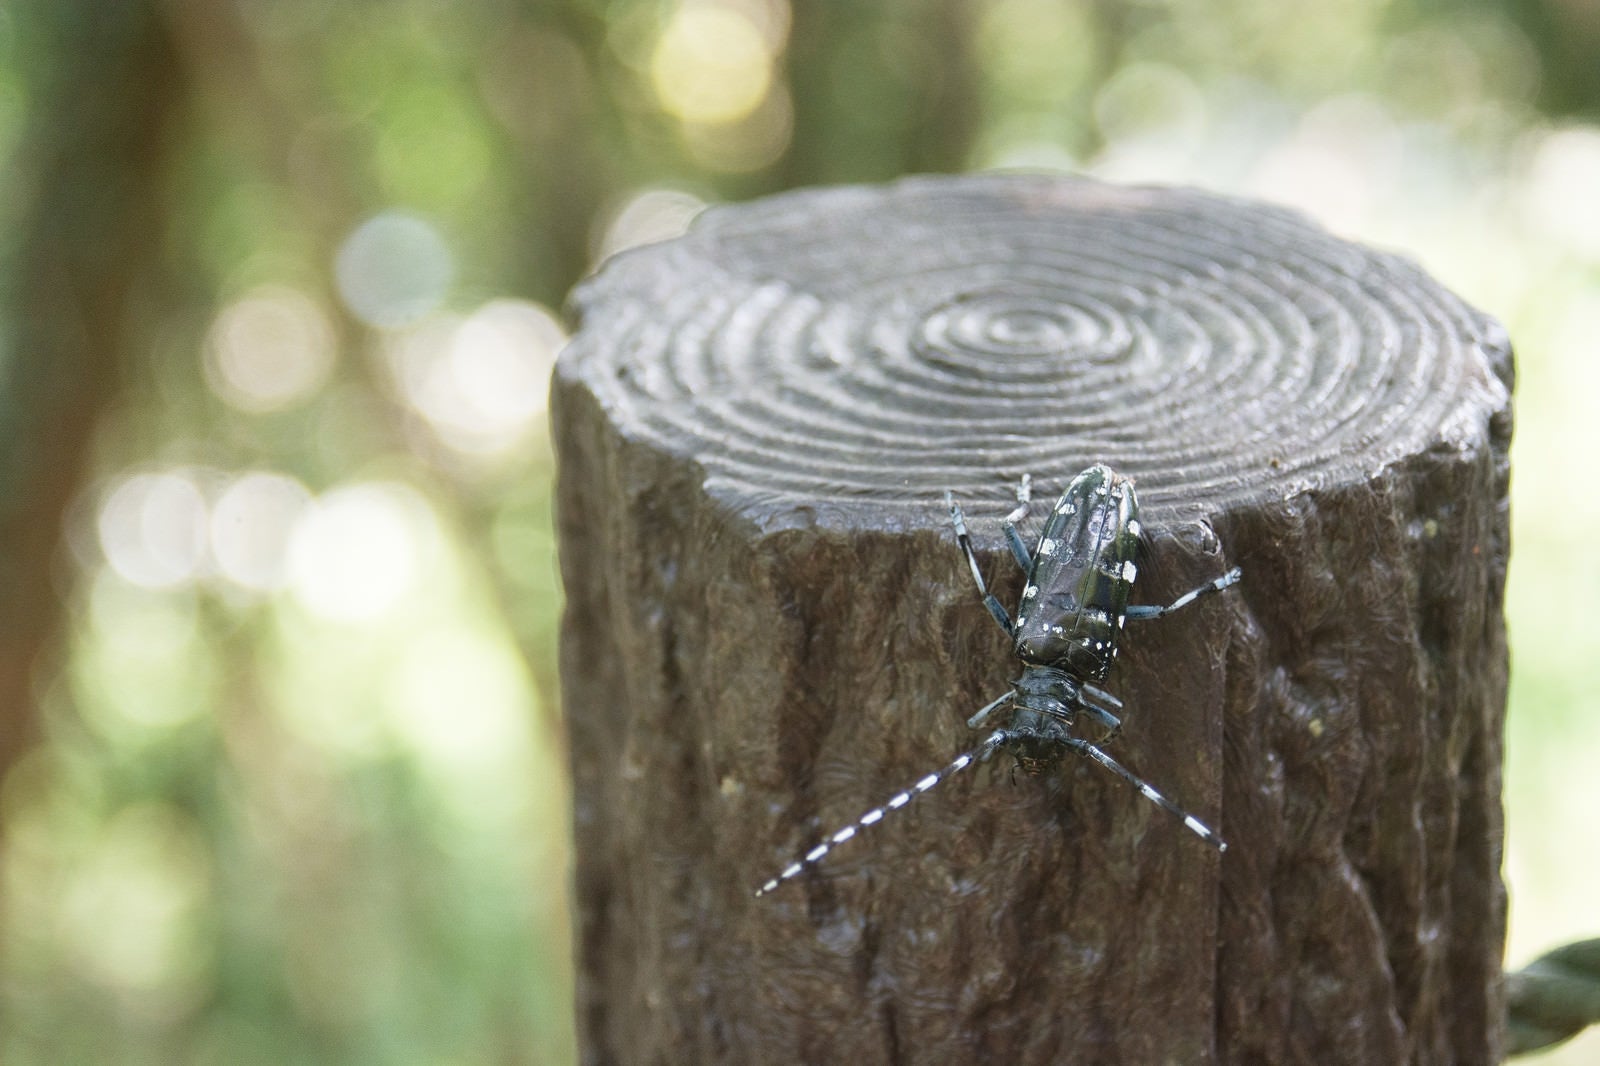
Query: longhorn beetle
{"x": 1073, "y": 608}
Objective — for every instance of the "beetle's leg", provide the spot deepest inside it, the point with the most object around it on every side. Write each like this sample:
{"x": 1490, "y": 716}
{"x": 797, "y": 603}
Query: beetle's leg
{"x": 1151, "y": 610}
{"x": 1100, "y": 710}
{"x": 985, "y": 711}
{"x": 1019, "y": 549}
{"x": 989, "y": 601}
{"x": 1068, "y": 714}
{"x": 1104, "y": 697}
{"x": 1196, "y": 826}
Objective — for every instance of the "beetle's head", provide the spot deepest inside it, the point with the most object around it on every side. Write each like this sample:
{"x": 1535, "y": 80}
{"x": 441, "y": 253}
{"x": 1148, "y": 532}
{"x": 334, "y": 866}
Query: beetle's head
{"x": 1035, "y": 755}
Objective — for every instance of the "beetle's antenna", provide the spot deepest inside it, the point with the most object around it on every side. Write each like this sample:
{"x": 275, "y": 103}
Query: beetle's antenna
{"x": 874, "y": 816}
{"x": 1196, "y": 826}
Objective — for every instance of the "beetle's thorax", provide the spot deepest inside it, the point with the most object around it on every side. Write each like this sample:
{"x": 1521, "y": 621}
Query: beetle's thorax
{"x": 1047, "y": 689}
{"x": 1042, "y": 714}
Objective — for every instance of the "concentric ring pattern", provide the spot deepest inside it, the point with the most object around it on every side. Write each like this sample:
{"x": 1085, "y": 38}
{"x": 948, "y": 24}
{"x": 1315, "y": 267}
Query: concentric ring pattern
{"x": 880, "y": 344}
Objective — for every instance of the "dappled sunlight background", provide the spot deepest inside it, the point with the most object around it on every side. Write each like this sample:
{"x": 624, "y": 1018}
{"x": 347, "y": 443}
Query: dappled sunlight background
{"x": 297, "y": 791}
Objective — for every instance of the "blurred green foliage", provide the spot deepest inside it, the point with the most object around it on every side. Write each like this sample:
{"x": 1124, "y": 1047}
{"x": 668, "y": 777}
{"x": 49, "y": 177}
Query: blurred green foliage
{"x": 296, "y": 789}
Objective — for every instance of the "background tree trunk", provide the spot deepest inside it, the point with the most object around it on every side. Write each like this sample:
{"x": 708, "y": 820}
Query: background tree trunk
{"x": 770, "y": 630}
{"x": 88, "y": 282}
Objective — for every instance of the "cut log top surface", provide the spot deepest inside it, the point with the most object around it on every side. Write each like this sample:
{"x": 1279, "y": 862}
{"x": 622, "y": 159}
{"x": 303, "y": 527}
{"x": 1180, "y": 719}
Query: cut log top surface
{"x": 857, "y": 350}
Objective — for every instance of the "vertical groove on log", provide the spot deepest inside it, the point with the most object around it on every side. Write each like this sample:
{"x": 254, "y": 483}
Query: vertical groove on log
{"x": 770, "y": 630}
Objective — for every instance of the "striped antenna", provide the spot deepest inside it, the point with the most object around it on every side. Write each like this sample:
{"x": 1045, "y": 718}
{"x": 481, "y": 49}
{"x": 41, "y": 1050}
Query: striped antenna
{"x": 874, "y": 816}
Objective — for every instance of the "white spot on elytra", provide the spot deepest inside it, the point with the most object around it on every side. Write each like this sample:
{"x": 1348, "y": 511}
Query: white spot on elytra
{"x": 1030, "y": 592}
{"x": 1048, "y": 546}
{"x": 1134, "y": 527}
{"x": 1129, "y": 571}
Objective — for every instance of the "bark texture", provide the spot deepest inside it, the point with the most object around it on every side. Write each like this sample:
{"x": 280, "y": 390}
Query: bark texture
{"x": 770, "y": 630}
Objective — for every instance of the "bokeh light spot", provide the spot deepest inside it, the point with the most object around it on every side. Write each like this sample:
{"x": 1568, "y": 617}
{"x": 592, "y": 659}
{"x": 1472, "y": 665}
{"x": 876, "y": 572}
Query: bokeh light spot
{"x": 268, "y": 350}
{"x": 250, "y": 526}
{"x": 1148, "y": 100}
{"x": 394, "y": 269}
{"x": 1337, "y": 165}
{"x": 756, "y": 141}
{"x": 134, "y": 911}
{"x": 1559, "y": 196}
{"x": 482, "y": 382}
{"x": 460, "y": 699}
{"x": 141, "y": 670}
{"x": 433, "y": 150}
{"x": 153, "y": 529}
{"x": 356, "y": 551}
{"x": 712, "y": 64}
{"x": 649, "y": 216}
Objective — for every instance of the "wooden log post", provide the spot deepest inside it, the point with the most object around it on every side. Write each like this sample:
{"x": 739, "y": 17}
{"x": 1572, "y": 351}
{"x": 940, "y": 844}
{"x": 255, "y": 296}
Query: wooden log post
{"x": 770, "y": 630}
